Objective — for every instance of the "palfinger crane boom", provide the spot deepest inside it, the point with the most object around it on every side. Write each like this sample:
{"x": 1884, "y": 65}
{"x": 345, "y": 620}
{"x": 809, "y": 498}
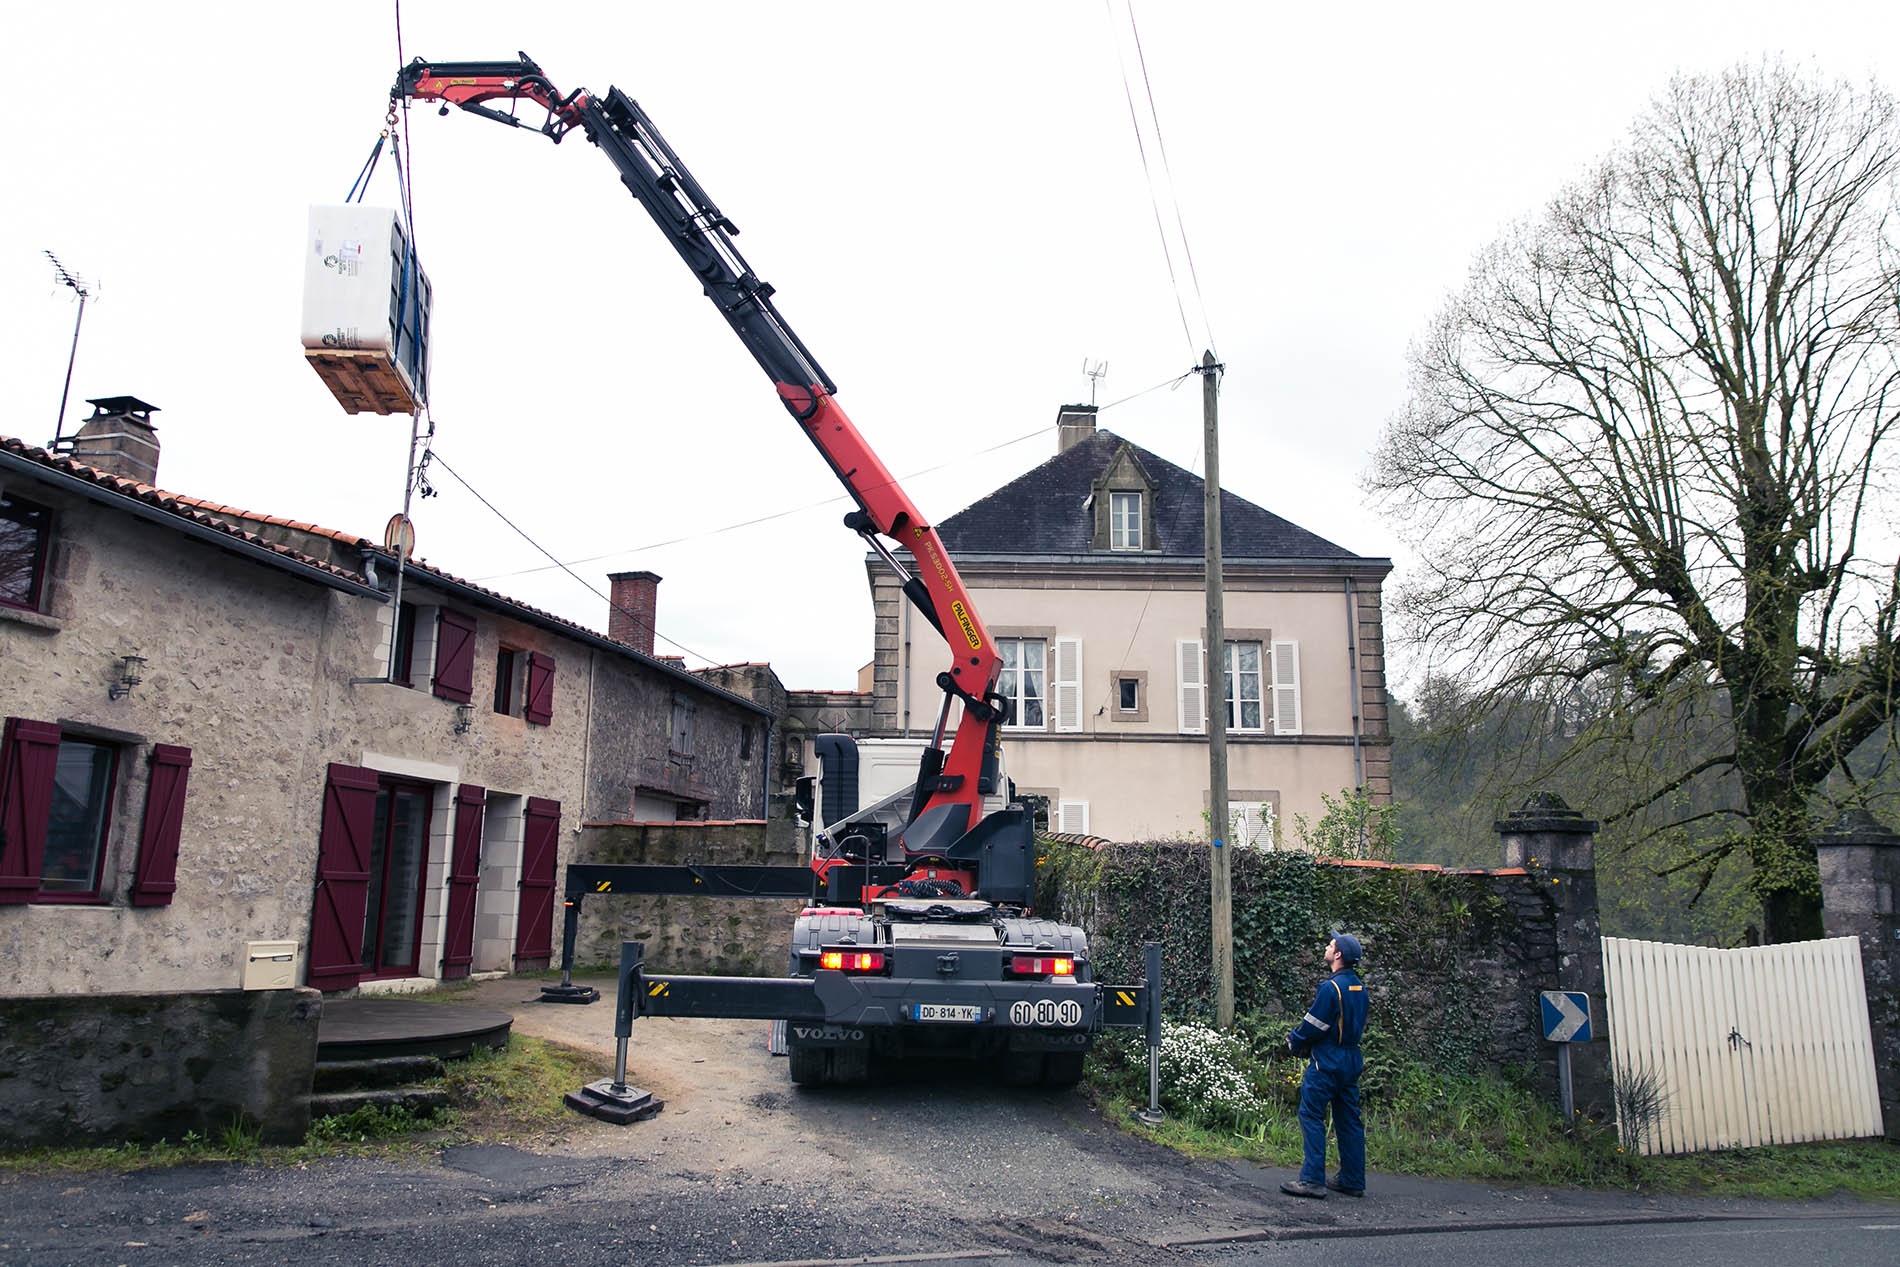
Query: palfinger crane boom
{"x": 948, "y": 801}
{"x": 918, "y": 934}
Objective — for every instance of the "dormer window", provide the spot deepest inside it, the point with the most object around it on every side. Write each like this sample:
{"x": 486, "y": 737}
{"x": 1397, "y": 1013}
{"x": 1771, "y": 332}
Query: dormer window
{"x": 1124, "y": 521}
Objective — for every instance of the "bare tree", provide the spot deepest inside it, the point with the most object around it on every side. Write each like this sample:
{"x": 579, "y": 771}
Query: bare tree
{"x": 1650, "y": 443}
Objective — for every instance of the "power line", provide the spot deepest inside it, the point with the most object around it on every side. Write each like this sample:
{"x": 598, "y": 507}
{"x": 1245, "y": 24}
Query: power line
{"x": 496, "y": 511}
{"x": 810, "y": 506}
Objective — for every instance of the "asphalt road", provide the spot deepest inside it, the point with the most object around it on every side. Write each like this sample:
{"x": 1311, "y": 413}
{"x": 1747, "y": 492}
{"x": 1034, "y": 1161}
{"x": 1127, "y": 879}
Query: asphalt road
{"x": 740, "y": 1167}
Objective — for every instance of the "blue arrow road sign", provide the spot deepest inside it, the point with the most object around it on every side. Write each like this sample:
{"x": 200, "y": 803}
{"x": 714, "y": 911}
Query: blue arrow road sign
{"x": 1566, "y": 1016}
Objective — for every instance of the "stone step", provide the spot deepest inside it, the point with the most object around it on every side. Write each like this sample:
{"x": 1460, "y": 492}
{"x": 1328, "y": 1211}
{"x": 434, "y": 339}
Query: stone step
{"x": 422, "y": 1101}
{"x": 376, "y": 1071}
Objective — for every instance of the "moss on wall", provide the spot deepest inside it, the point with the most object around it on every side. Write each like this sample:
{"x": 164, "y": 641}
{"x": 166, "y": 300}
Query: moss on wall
{"x": 1454, "y": 959}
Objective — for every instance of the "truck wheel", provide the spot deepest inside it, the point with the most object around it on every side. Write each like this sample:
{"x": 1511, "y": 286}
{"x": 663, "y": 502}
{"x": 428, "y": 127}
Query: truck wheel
{"x": 810, "y": 1066}
{"x": 850, "y": 1066}
{"x": 1021, "y": 1068}
{"x": 1063, "y": 1069}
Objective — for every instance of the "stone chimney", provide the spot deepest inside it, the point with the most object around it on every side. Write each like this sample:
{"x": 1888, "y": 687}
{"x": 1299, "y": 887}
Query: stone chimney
{"x": 118, "y": 439}
{"x": 1074, "y": 424}
{"x": 630, "y": 619}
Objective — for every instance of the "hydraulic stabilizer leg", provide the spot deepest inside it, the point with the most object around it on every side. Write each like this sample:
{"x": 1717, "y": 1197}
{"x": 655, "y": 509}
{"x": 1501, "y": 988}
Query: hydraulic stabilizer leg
{"x": 567, "y": 991}
{"x": 613, "y": 1099}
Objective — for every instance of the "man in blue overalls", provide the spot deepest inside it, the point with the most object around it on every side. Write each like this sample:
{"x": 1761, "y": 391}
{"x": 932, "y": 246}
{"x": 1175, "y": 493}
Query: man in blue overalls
{"x": 1328, "y": 1036}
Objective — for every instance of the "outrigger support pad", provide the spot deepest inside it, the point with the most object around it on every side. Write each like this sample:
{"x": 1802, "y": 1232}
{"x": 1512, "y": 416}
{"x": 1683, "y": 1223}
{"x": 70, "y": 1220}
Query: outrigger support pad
{"x": 613, "y": 1099}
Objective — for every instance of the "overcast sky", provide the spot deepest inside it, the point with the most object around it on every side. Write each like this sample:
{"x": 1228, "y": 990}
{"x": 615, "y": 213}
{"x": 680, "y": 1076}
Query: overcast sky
{"x": 949, "y": 199}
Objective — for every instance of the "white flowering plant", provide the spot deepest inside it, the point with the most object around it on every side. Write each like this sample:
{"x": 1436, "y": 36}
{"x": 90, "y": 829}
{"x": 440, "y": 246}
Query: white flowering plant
{"x": 1207, "y": 1075}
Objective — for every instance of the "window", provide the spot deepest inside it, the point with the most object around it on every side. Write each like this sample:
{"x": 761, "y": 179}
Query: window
{"x": 1251, "y": 823}
{"x": 1128, "y": 695}
{"x": 508, "y": 663}
{"x": 57, "y": 797}
{"x": 23, "y": 536}
{"x": 1022, "y": 681}
{"x": 401, "y": 665}
{"x": 1243, "y": 687}
{"x": 679, "y": 734}
{"x": 79, "y": 818}
{"x": 1124, "y": 521}
{"x": 1072, "y": 817}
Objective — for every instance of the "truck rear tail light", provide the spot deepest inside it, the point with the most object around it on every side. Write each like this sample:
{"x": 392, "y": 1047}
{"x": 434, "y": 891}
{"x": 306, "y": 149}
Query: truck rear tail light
{"x": 1042, "y": 965}
{"x": 852, "y": 960}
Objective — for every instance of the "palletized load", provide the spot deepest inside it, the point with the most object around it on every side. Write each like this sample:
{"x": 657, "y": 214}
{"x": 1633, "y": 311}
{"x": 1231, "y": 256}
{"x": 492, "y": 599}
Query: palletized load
{"x": 366, "y": 308}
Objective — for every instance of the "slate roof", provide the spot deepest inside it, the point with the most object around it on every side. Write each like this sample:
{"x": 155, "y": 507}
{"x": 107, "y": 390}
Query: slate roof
{"x": 1043, "y": 513}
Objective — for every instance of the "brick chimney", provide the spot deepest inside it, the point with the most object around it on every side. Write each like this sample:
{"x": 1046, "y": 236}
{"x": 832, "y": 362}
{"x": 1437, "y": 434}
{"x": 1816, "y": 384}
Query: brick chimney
{"x": 1074, "y": 424}
{"x": 118, "y": 439}
{"x": 630, "y": 620}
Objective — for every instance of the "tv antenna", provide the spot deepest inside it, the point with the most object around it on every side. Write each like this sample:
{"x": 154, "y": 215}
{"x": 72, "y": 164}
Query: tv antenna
{"x": 1095, "y": 375}
{"x": 84, "y": 290}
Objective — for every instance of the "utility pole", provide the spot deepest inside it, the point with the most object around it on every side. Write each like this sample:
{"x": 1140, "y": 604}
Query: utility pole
{"x": 1222, "y": 868}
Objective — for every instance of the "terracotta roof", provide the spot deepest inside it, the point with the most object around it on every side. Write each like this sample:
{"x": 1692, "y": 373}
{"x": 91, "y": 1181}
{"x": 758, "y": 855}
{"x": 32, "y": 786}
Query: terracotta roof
{"x": 218, "y": 516}
{"x": 1043, "y": 513}
{"x": 191, "y": 509}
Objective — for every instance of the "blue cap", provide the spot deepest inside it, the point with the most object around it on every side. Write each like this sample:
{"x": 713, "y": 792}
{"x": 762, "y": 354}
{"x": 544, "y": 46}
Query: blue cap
{"x": 1349, "y": 948}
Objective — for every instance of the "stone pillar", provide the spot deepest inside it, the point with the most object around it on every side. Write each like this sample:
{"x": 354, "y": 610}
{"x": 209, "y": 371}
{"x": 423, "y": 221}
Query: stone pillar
{"x": 1860, "y": 875}
{"x": 1557, "y": 845}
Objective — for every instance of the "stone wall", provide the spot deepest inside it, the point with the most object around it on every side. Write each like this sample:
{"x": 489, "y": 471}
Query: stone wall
{"x": 1456, "y": 959}
{"x": 741, "y": 937}
{"x": 106, "y": 1068}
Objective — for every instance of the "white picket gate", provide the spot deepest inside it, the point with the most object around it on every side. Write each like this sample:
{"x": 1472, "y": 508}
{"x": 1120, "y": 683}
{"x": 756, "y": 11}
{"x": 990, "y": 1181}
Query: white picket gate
{"x": 1761, "y": 1045}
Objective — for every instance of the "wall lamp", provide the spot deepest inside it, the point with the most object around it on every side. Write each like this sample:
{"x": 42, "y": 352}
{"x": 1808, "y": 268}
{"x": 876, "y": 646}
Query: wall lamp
{"x": 131, "y": 673}
{"x": 464, "y": 718}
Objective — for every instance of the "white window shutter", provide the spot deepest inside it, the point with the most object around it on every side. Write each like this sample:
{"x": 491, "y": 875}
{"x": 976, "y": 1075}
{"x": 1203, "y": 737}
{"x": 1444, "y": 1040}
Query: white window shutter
{"x": 1190, "y": 693}
{"x": 1286, "y": 688}
{"x": 1066, "y": 684}
{"x": 1253, "y": 823}
{"x": 1072, "y": 817}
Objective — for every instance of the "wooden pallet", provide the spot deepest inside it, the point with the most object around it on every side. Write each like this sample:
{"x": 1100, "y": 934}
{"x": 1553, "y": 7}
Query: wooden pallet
{"x": 363, "y": 382}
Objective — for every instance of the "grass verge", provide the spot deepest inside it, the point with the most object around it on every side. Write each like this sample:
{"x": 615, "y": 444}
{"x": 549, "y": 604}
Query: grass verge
{"x": 1463, "y": 1126}
{"x": 507, "y": 1095}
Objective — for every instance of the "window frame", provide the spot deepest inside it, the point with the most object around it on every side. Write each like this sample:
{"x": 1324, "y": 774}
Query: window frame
{"x": 1127, "y": 694}
{"x": 1230, "y": 673}
{"x": 22, "y": 511}
{"x": 93, "y": 895}
{"x": 1018, "y": 698}
{"x": 1124, "y": 530}
{"x": 511, "y": 693}
{"x": 403, "y": 670}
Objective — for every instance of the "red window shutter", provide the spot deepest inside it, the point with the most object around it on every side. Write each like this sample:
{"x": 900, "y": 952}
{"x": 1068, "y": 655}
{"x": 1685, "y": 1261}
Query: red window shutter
{"x": 540, "y": 706}
{"x": 454, "y": 656}
{"x": 465, "y": 870}
{"x": 343, "y": 853}
{"x": 29, "y": 754}
{"x": 164, "y": 826}
{"x": 534, "y": 927}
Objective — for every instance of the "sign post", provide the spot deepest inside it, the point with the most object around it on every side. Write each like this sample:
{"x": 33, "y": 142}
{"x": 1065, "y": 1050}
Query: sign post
{"x": 1566, "y": 1015}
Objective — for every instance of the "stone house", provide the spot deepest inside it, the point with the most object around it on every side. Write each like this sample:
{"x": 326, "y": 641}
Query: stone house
{"x": 1089, "y": 573}
{"x": 224, "y": 728}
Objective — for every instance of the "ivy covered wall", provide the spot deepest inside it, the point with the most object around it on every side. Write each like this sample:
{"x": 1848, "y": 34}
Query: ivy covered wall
{"x": 1454, "y": 959}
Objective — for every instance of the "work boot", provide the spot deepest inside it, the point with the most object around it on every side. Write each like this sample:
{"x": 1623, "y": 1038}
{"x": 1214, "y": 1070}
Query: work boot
{"x": 1342, "y": 1189}
{"x": 1300, "y": 1188}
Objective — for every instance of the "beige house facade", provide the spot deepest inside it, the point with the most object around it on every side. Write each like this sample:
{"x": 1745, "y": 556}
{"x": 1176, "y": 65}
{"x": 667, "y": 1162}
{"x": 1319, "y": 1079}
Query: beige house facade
{"x": 1089, "y": 573}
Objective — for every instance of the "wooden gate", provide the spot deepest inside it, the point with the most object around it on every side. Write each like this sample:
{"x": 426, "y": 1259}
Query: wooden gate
{"x": 1762, "y": 1045}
